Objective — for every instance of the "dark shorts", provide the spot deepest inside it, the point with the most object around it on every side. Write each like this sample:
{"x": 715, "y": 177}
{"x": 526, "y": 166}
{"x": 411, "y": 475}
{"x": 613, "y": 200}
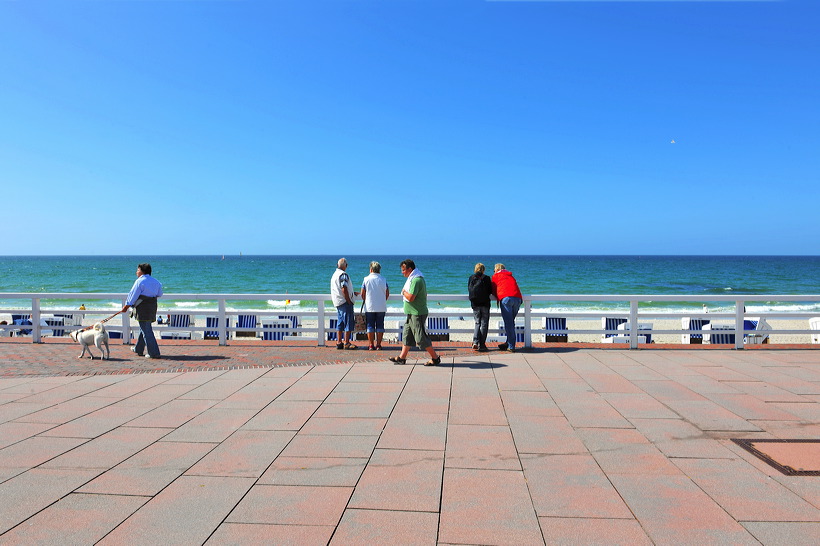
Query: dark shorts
{"x": 375, "y": 322}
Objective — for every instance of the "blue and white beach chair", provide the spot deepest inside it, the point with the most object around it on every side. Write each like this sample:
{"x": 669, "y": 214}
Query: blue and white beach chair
{"x": 555, "y": 323}
{"x": 176, "y": 322}
{"x": 246, "y": 321}
{"x": 213, "y": 322}
{"x": 688, "y": 323}
{"x": 609, "y": 323}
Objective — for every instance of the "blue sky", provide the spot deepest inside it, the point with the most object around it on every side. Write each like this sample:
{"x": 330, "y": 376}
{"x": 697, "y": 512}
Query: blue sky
{"x": 409, "y": 127}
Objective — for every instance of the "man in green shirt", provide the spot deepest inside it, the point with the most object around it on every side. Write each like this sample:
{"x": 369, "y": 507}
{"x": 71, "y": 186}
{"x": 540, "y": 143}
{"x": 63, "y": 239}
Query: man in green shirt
{"x": 414, "y": 294}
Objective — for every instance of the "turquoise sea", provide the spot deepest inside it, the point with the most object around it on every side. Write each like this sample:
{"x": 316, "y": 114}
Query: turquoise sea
{"x": 690, "y": 275}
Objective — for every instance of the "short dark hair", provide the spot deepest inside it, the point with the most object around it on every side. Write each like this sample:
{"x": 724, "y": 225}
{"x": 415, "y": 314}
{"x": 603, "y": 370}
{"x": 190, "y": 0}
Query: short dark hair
{"x": 408, "y": 264}
{"x": 145, "y": 268}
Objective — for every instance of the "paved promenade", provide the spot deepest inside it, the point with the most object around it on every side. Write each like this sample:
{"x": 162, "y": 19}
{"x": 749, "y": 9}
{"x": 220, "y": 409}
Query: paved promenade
{"x": 295, "y": 444}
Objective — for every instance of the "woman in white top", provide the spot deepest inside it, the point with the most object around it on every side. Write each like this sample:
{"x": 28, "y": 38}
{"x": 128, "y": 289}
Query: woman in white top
{"x": 374, "y": 295}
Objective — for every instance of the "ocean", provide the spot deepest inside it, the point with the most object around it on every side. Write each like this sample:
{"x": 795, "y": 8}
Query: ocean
{"x": 685, "y": 275}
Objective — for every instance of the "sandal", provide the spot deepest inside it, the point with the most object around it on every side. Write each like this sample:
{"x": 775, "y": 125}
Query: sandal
{"x": 434, "y": 362}
{"x": 350, "y": 347}
{"x": 340, "y": 346}
{"x": 397, "y": 360}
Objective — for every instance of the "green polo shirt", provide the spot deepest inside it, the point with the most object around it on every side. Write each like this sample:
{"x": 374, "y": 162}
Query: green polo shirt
{"x": 419, "y": 305}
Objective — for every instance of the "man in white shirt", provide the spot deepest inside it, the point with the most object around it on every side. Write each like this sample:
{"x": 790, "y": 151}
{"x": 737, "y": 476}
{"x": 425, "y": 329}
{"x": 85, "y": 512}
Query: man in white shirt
{"x": 342, "y": 294}
{"x": 374, "y": 294}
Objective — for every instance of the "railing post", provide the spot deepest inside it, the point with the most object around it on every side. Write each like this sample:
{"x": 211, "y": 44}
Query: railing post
{"x": 740, "y": 311}
{"x": 321, "y": 318}
{"x": 223, "y": 323}
{"x": 126, "y": 326}
{"x": 527, "y": 325}
{"x": 36, "y": 332}
{"x": 633, "y": 324}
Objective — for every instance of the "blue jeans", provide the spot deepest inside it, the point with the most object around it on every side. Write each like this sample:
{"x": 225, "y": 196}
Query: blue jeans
{"x": 147, "y": 339}
{"x": 346, "y": 316}
{"x": 509, "y": 310}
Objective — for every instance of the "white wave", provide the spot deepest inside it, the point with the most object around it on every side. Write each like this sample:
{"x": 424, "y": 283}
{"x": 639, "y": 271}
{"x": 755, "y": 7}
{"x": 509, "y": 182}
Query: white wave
{"x": 286, "y": 304}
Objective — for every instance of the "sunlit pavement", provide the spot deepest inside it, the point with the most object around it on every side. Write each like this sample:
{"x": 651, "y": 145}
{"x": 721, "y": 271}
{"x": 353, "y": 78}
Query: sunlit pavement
{"x": 290, "y": 443}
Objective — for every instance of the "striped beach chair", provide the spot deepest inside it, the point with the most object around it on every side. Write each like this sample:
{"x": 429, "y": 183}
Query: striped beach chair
{"x": 814, "y": 324}
{"x": 519, "y": 332}
{"x": 59, "y": 325}
{"x": 213, "y": 322}
{"x": 246, "y": 321}
{"x": 555, "y": 323}
{"x": 276, "y": 330}
{"x": 713, "y": 334}
{"x": 610, "y": 323}
{"x": 294, "y": 320}
{"x": 177, "y": 322}
{"x": 438, "y": 328}
{"x": 751, "y": 328}
{"x": 688, "y": 323}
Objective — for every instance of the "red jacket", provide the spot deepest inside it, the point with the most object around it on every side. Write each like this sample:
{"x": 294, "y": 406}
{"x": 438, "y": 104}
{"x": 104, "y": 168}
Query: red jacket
{"x": 504, "y": 286}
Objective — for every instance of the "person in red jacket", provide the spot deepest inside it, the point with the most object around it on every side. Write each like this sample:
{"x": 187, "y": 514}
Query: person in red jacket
{"x": 509, "y": 297}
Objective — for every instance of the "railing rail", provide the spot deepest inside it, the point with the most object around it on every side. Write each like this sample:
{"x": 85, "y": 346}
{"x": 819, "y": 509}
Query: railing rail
{"x": 633, "y": 313}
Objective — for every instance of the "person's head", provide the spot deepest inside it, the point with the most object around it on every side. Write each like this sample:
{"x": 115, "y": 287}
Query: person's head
{"x": 499, "y": 267}
{"x": 143, "y": 269}
{"x": 479, "y": 268}
{"x": 407, "y": 266}
{"x": 375, "y": 267}
{"x": 342, "y": 264}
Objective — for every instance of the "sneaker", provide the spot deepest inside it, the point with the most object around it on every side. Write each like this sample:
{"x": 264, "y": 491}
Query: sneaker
{"x": 511, "y": 349}
{"x": 134, "y": 350}
{"x": 475, "y": 346}
{"x": 153, "y": 357}
{"x": 502, "y": 346}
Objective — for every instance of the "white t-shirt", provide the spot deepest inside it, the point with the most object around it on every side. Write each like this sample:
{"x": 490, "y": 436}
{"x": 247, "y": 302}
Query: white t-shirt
{"x": 339, "y": 279}
{"x": 376, "y": 286}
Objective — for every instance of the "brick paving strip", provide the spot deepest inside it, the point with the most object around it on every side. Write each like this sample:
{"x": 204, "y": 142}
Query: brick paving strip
{"x": 295, "y": 444}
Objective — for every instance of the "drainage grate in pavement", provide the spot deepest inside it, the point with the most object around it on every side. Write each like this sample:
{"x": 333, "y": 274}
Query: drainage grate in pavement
{"x": 791, "y": 457}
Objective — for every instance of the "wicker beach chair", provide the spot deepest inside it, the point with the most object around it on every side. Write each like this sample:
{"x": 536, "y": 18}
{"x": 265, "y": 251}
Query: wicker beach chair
{"x": 246, "y": 321}
{"x": 609, "y": 323}
{"x": 814, "y": 324}
{"x": 213, "y": 322}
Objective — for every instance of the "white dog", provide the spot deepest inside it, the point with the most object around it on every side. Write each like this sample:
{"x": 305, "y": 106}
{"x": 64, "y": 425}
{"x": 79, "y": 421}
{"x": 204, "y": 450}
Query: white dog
{"x": 96, "y": 335}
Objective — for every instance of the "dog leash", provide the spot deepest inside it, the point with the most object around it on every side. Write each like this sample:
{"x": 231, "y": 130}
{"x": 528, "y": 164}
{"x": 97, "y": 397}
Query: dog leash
{"x": 102, "y": 321}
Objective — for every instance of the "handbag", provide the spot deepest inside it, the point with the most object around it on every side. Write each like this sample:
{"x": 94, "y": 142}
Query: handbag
{"x": 360, "y": 322}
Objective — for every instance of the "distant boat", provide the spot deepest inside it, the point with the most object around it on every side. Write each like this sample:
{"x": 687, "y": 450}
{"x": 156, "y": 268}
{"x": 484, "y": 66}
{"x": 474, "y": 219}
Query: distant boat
{"x": 223, "y": 256}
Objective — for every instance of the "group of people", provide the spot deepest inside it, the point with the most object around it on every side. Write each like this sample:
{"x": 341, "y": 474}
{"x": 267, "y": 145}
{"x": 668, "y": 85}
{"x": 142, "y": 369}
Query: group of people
{"x": 375, "y": 291}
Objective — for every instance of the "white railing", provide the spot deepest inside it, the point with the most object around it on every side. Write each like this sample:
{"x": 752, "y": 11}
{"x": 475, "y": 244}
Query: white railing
{"x": 633, "y": 315}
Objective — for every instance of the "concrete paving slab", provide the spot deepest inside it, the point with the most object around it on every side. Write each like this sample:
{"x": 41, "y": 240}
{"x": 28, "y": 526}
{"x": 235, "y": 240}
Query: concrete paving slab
{"x": 212, "y": 425}
{"x": 149, "y": 471}
{"x": 281, "y": 535}
{"x": 386, "y": 527}
{"x": 571, "y": 486}
{"x": 777, "y": 533}
{"x": 593, "y": 532}
{"x": 246, "y": 453}
{"x": 479, "y": 446}
{"x": 487, "y": 507}
{"x": 292, "y": 505}
{"x": 75, "y": 519}
{"x": 318, "y": 471}
{"x": 403, "y": 480}
{"x": 187, "y": 511}
{"x": 425, "y": 431}
{"x": 322, "y": 445}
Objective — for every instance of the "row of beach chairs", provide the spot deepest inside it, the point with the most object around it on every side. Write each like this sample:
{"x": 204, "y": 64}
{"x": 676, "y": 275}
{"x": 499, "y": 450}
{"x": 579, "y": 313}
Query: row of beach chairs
{"x": 177, "y": 326}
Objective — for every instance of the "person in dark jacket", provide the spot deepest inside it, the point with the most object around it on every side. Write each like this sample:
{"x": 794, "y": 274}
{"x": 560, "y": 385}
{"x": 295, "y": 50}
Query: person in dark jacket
{"x": 479, "y": 289}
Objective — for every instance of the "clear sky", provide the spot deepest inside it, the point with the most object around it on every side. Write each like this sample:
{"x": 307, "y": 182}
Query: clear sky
{"x": 409, "y": 127}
